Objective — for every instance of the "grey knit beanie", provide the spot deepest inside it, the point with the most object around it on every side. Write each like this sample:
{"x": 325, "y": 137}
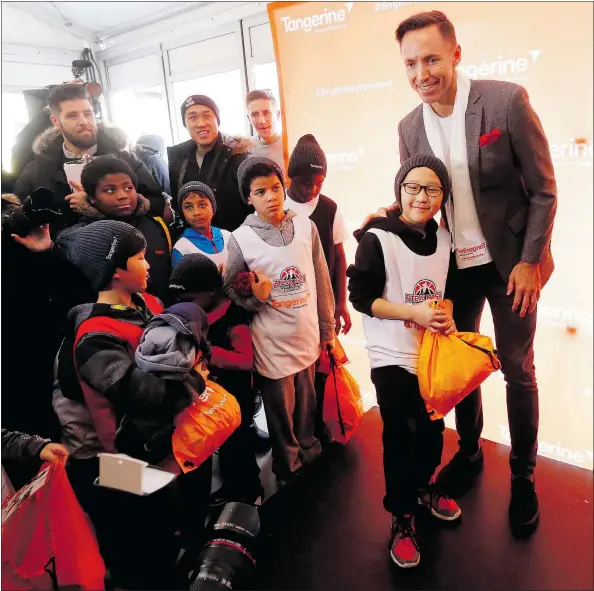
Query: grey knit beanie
{"x": 98, "y": 249}
{"x": 307, "y": 157}
{"x": 428, "y": 161}
{"x": 196, "y": 187}
{"x": 245, "y": 168}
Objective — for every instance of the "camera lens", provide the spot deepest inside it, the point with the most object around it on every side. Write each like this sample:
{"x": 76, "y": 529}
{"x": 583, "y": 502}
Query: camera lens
{"x": 227, "y": 561}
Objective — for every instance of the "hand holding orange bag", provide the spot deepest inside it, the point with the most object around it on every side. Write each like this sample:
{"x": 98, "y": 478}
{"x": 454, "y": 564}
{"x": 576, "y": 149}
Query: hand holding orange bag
{"x": 451, "y": 367}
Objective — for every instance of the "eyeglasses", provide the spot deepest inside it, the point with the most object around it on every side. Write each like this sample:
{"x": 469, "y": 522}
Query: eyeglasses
{"x": 430, "y": 190}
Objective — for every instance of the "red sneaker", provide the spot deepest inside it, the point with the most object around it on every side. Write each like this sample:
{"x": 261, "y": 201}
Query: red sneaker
{"x": 440, "y": 505}
{"x": 404, "y": 550}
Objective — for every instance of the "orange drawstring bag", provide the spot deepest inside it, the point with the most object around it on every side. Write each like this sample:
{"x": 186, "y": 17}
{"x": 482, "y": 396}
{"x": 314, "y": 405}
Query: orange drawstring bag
{"x": 204, "y": 426}
{"x": 47, "y": 539}
{"x": 343, "y": 407}
{"x": 452, "y": 366}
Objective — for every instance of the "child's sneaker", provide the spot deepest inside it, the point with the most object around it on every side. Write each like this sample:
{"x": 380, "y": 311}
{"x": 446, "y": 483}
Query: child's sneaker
{"x": 440, "y": 505}
{"x": 404, "y": 550}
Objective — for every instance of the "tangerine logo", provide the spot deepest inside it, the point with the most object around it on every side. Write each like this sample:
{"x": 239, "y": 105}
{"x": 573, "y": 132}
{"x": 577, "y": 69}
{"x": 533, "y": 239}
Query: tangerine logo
{"x": 502, "y": 67}
{"x": 424, "y": 290}
{"x": 329, "y": 20}
{"x": 290, "y": 279}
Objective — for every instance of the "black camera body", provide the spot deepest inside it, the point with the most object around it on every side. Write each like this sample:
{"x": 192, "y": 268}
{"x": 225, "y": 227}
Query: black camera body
{"x": 37, "y": 209}
{"x": 227, "y": 561}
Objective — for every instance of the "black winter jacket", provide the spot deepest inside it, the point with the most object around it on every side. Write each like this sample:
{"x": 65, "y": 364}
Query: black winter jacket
{"x": 19, "y": 446}
{"x": 219, "y": 172}
{"x": 47, "y": 170}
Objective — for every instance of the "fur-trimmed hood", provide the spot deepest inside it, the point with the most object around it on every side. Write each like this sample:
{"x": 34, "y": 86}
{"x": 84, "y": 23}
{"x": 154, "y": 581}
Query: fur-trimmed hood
{"x": 49, "y": 142}
{"x": 238, "y": 145}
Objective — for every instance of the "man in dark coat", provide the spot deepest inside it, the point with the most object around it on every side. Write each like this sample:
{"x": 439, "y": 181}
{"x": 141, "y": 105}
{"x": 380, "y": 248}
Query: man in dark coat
{"x": 74, "y": 134}
{"x": 212, "y": 158}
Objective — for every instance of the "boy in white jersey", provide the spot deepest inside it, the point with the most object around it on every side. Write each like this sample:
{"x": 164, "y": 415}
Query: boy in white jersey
{"x": 292, "y": 295}
{"x": 400, "y": 266}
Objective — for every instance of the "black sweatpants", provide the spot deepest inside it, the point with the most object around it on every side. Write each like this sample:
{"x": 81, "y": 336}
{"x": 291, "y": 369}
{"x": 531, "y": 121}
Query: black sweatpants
{"x": 412, "y": 442}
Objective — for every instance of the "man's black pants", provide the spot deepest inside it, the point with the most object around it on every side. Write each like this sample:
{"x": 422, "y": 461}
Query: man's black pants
{"x": 514, "y": 339}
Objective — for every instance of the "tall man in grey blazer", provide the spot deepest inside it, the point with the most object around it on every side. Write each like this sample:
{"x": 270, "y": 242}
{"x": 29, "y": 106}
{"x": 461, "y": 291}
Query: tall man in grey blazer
{"x": 501, "y": 220}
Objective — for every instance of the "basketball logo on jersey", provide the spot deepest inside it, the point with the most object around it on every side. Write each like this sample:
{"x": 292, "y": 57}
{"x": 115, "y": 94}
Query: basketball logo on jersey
{"x": 290, "y": 279}
{"x": 424, "y": 290}
{"x": 293, "y": 289}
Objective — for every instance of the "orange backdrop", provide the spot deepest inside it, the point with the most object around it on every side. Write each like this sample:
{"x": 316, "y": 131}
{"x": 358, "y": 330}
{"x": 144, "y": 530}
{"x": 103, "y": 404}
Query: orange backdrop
{"x": 342, "y": 79}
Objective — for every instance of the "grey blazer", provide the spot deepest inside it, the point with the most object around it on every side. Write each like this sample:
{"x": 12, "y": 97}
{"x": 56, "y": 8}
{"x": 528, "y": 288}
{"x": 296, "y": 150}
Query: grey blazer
{"x": 512, "y": 179}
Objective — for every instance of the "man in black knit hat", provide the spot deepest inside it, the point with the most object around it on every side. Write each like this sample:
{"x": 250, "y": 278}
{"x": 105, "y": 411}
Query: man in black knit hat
{"x": 307, "y": 172}
{"x": 210, "y": 157}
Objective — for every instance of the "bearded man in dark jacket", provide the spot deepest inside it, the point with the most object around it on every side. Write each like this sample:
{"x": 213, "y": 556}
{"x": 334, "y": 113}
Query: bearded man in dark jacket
{"x": 212, "y": 158}
{"x": 74, "y": 134}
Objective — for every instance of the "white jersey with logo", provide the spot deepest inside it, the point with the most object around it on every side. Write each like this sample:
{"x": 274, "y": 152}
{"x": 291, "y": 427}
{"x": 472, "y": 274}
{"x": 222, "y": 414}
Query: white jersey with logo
{"x": 410, "y": 279}
{"x": 185, "y": 246}
{"x": 286, "y": 331}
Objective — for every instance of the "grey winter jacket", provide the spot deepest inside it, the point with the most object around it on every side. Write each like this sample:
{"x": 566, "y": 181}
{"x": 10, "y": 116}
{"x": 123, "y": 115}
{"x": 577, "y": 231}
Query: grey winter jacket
{"x": 171, "y": 341}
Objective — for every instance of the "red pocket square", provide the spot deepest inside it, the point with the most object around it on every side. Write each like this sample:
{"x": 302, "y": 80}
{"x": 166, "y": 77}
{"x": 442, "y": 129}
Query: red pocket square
{"x": 489, "y": 138}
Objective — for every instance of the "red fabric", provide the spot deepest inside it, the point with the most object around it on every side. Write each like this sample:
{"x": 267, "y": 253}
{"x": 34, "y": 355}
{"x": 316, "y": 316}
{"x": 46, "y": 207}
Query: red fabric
{"x": 241, "y": 357}
{"x": 101, "y": 409}
{"x": 44, "y": 527}
{"x": 489, "y": 138}
{"x": 243, "y": 284}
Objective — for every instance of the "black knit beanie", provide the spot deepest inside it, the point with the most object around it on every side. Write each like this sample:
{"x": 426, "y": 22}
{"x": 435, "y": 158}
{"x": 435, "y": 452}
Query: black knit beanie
{"x": 195, "y": 273}
{"x": 307, "y": 158}
{"x": 428, "y": 161}
{"x": 254, "y": 167}
{"x": 196, "y": 187}
{"x": 200, "y": 99}
{"x": 101, "y": 247}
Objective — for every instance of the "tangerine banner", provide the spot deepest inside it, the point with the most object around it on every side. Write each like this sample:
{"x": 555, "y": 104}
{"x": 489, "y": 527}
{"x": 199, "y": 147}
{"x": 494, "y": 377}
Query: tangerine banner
{"x": 342, "y": 79}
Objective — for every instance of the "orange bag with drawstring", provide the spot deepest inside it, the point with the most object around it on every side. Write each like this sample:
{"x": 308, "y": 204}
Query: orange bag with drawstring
{"x": 47, "y": 539}
{"x": 343, "y": 407}
{"x": 202, "y": 427}
{"x": 452, "y": 366}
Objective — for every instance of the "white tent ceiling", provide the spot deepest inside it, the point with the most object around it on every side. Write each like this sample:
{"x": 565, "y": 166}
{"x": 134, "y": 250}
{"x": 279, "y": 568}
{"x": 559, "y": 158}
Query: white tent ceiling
{"x": 98, "y": 20}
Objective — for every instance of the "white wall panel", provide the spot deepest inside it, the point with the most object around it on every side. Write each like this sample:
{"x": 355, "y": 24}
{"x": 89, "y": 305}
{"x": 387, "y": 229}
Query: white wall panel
{"x": 136, "y": 73}
{"x": 220, "y": 53}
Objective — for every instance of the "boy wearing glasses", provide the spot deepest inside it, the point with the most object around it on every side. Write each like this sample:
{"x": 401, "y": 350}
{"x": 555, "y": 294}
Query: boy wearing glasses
{"x": 400, "y": 267}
